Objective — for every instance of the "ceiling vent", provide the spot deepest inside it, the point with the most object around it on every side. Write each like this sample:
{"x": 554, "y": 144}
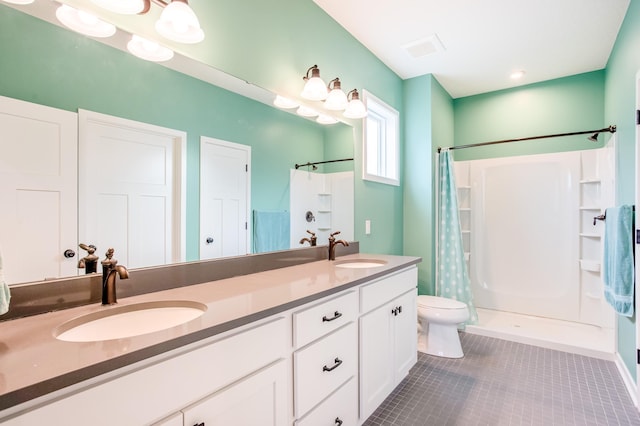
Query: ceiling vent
{"x": 424, "y": 46}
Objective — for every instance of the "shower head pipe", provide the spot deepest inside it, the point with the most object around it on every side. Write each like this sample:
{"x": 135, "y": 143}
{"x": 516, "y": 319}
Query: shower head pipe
{"x": 593, "y": 137}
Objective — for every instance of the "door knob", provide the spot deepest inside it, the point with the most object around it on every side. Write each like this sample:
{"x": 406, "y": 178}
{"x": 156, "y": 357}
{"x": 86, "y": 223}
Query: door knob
{"x": 209, "y": 240}
{"x": 68, "y": 253}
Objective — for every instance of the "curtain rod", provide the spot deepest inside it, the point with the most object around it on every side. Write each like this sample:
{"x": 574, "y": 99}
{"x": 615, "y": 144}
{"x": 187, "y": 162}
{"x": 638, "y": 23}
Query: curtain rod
{"x": 610, "y": 129}
{"x": 321, "y": 162}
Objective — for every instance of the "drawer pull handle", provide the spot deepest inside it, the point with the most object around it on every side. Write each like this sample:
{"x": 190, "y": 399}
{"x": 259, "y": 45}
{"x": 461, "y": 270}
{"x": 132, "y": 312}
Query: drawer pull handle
{"x": 337, "y": 361}
{"x": 336, "y": 315}
{"x": 199, "y": 424}
{"x": 338, "y": 421}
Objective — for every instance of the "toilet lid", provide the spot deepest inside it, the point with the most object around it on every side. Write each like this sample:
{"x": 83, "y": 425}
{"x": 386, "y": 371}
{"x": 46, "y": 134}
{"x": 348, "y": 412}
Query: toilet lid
{"x": 440, "y": 302}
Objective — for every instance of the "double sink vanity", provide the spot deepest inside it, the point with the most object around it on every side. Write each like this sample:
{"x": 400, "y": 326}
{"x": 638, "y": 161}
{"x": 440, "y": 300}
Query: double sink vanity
{"x": 320, "y": 342}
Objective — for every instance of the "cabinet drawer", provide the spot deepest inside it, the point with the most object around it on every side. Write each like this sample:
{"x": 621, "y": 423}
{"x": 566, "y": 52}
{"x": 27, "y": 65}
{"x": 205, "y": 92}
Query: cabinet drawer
{"x": 318, "y": 320}
{"x": 387, "y": 288}
{"x": 341, "y": 406}
{"x": 322, "y": 367}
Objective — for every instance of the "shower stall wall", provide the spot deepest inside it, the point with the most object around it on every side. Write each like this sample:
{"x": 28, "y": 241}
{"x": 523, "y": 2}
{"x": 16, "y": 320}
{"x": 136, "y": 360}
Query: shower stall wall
{"x": 528, "y": 228}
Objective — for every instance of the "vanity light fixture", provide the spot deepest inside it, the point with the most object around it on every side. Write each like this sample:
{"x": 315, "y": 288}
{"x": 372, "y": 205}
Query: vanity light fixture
{"x": 356, "y": 108}
{"x": 285, "y": 103}
{"x": 336, "y": 99}
{"x": 84, "y": 23}
{"x": 148, "y": 50}
{"x": 326, "y": 119}
{"x": 178, "y": 22}
{"x": 306, "y": 111}
{"x": 124, "y": 7}
{"x": 314, "y": 88}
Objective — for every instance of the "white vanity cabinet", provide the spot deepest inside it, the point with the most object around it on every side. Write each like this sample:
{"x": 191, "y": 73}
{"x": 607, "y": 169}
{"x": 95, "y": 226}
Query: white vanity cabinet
{"x": 260, "y": 399}
{"x": 328, "y": 360}
{"x": 388, "y": 336}
{"x": 314, "y": 364}
{"x": 217, "y": 371}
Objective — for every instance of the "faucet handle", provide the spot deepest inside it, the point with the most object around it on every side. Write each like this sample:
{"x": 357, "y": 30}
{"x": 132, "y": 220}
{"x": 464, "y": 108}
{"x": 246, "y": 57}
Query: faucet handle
{"x": 334, "y": 233}
{"x": 313, "y": 234}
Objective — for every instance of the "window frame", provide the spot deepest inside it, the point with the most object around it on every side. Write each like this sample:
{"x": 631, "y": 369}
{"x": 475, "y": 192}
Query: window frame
{"x": 390, "y": 117}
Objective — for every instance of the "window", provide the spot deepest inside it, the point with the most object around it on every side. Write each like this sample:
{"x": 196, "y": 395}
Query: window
{"x": 381, "y": 142}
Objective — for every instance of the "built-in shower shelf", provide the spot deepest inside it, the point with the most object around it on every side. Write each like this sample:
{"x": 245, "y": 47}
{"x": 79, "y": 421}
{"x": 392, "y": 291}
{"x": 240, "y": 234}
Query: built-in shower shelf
{"x": 324, "y": 211}
{"x": 594, "y": 208}
{"x": 322, "y": 228}
{"x": 465, "y": 231}
{"x": 590, "y": 235}
{"x": 464, "y": 209}
{"x": 597, "y": 180}
{"x": 590, "y": 265}
{"x": 464, "y": 187}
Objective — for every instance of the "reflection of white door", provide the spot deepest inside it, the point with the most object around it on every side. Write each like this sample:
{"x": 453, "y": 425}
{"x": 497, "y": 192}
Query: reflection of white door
{"x": 224, "y": 198}
{"x": 38, "y": 190}
{"x": 131, "y": 189}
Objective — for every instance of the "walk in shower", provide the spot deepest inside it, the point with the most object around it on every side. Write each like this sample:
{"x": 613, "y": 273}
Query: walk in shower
{"x": 534, "y": 248}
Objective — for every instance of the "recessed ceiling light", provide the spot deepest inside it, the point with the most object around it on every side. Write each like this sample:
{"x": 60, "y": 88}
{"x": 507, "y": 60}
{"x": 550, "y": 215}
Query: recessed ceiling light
{"x": 517, "y": 75}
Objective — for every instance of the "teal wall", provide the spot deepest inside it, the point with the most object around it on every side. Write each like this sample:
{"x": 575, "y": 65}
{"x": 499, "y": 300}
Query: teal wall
{"x": 620, "y": 106}
{"x": 56, "y": 67}
{"x": 428, "y": 123}
{"x": 563, "y": 105}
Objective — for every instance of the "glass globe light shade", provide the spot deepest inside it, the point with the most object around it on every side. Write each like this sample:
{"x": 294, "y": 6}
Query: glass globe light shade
{"x": 84, "y": 23}
{"x": 125, "y": 7}
{"x": 178, "y": 22}
{"x": 148, "y": 50}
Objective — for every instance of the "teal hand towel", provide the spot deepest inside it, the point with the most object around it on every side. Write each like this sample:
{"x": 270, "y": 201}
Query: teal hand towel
{"x": 618, "y": 264}
{"x": 5, "y": 294}
{"x": 270, "y": 231}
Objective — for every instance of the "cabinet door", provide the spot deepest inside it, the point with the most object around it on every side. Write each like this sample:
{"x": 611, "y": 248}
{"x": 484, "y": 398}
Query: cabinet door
{"x": 376, "y": 359}
{"x": 258, "y": 400}
{"x": 405, "y": 332}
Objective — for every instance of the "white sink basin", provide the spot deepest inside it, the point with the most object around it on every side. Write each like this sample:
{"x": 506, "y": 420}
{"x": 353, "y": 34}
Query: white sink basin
{"x": 129, "y": 320}
{"x": 360, "y": 263}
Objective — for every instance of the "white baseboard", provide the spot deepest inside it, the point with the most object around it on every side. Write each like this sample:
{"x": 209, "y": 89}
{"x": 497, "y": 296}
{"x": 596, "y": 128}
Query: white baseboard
{"x": 629, "y": 381}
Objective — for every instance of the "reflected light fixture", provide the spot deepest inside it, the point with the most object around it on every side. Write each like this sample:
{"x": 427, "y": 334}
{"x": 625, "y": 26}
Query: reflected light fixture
{"x": 285, "y": 103}
{"x": 326, "y": 119}
{"x": 356, "y": 108}
{"x": 148, "y": 50}
{"x": 314, "y": 88}
{"x": 19, "y": 1}
{"x": 178, "y": 22}
{"x": 84, "y": 23}
{"x": 124, "y": 7}
{"x": 336, "y": 99}
{"x": 306, "y": 111}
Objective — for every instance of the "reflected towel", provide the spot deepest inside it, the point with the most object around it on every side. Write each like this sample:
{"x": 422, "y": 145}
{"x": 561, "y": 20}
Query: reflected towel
{"x": 270, "y": 231}
{"x": 5, "y": 294}
{"x": 617, "y": 268}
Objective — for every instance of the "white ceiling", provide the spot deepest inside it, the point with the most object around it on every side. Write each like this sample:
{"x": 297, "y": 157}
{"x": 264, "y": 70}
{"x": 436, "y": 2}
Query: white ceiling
{"x": 485, "y": 41}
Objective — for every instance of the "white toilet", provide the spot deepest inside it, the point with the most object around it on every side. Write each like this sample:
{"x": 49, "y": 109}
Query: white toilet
{"x": 439, "y": 318}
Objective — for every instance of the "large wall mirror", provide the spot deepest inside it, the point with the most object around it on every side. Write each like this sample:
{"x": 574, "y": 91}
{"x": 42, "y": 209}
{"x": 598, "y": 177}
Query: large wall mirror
{"x": 56, "y": 68}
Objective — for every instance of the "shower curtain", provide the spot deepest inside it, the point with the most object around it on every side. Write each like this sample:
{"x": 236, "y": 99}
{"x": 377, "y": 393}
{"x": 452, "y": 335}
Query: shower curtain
{"x": 452, "y": 275}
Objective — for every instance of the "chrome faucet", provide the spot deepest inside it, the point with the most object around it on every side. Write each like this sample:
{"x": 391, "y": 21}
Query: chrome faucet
{"x": 312, "y": 241}
{"x": 109, "y": 269}
{"x": 332, "y": 245}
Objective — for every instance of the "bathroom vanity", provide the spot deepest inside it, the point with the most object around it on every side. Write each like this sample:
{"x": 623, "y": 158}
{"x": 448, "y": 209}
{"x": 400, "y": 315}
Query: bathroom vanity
{"x": 318, "y": 343}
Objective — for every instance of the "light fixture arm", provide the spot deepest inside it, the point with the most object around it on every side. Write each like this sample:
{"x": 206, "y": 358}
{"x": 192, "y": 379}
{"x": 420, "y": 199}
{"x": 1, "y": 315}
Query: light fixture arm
{"x": 315, "y": 72}
{"x": 336, "y": 84}
{"x": 353, "y": 94}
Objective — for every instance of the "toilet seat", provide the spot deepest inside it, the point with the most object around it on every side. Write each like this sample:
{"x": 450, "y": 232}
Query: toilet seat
{"x": 440, "y": 303}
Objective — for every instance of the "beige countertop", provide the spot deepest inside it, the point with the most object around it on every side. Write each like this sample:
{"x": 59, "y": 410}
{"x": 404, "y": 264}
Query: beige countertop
{"x": 34, "y": 363}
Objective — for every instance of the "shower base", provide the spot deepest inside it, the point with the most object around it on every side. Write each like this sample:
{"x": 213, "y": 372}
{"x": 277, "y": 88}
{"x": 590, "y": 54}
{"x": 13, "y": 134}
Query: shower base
{"x": 582, "y": 339}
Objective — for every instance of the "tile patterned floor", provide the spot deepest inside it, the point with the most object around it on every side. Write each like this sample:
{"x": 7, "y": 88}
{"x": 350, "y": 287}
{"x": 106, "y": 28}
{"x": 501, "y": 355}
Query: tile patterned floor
{"x": 499, "y": 382}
